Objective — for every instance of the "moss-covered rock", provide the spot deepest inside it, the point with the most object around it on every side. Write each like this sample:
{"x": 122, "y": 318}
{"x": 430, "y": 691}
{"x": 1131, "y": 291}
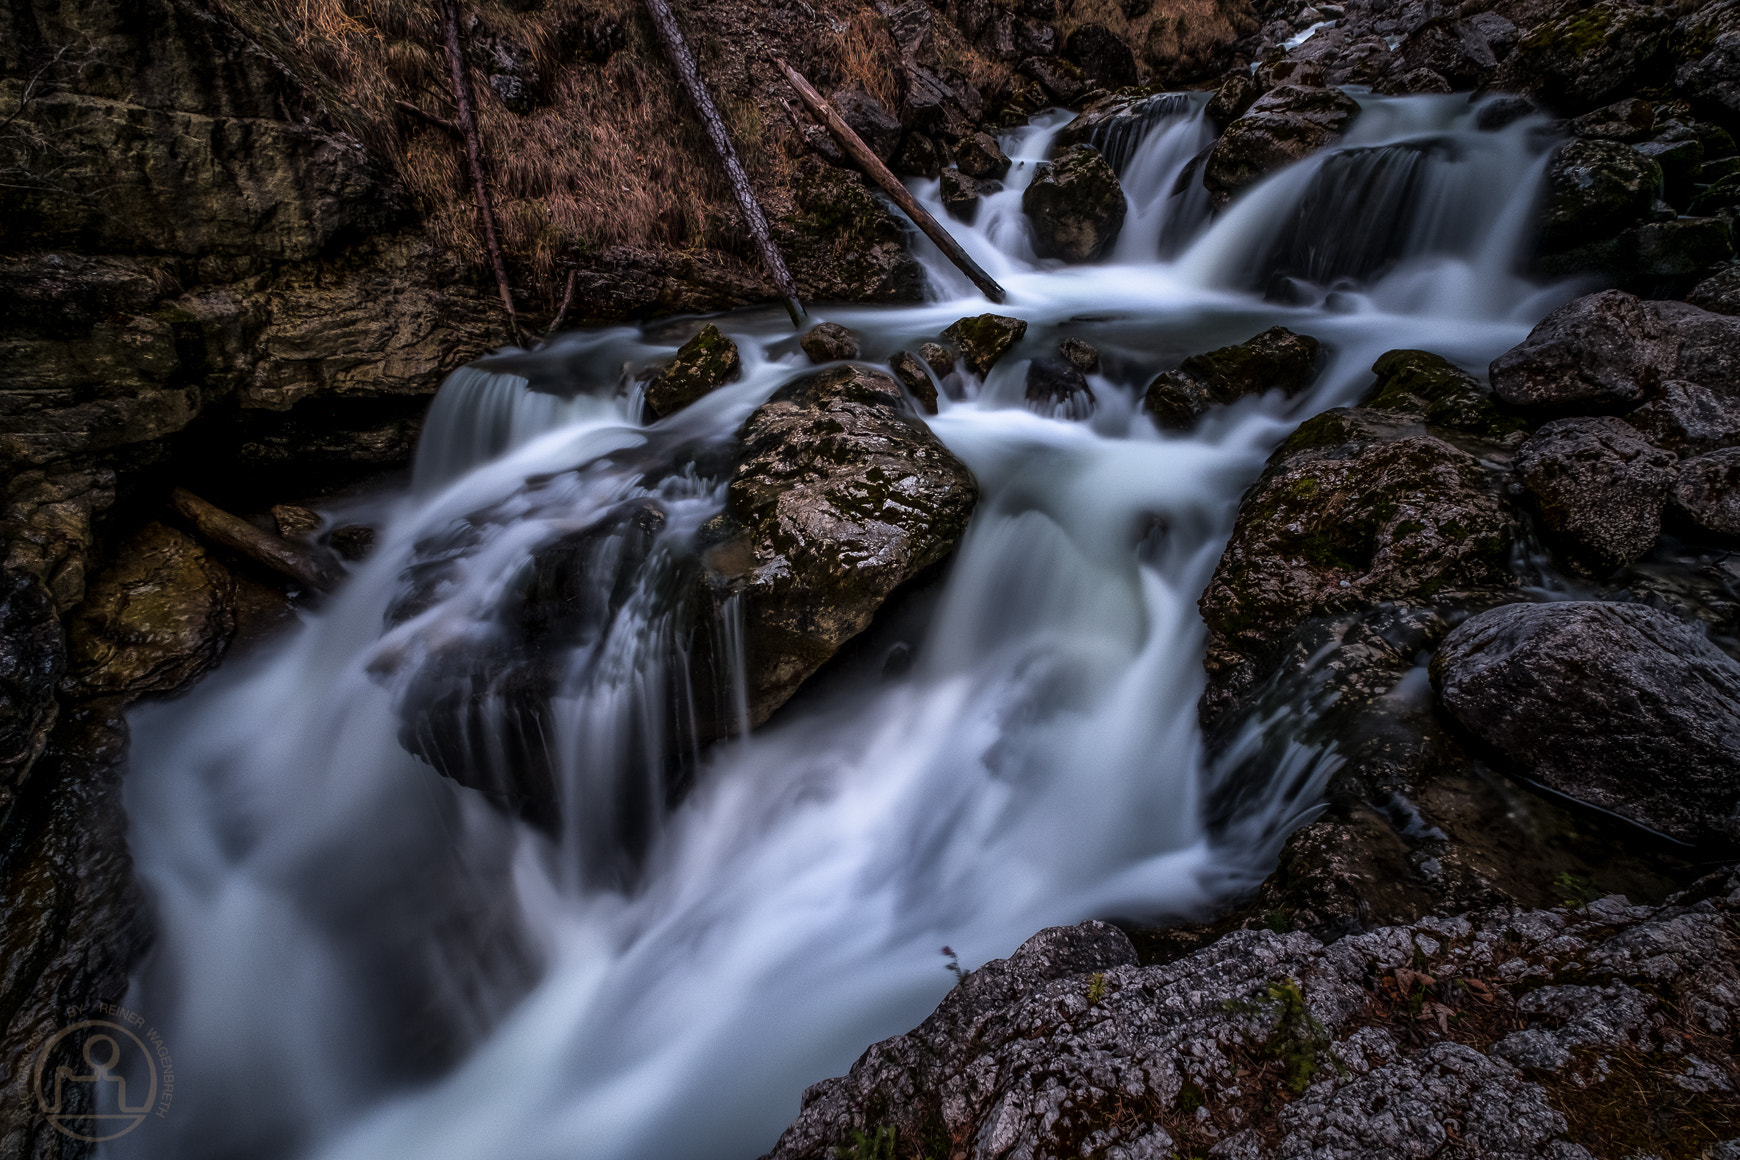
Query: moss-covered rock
{"x": 1276, "y": 359}
{"x": 1075, "y": 205}
{"x": 1417, "y": 382}
{"x": 1595, "y": 189}
{"x": 1280, "y": 127}
{"x": 1591, "y": 56}
{"x": 983, "y": 339}
{"x": 703, "y": 364}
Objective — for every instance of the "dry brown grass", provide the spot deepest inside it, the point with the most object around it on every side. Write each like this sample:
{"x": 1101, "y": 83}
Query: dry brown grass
{"x": 1175, "y": 40}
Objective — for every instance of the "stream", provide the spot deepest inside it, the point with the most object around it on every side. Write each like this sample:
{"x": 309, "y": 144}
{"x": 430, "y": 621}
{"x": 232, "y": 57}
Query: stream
{"x": 358, "y": 959}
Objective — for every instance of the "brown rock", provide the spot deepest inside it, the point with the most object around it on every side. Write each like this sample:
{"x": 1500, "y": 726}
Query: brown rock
{"x": 703, "y": 364}
{"x": 829, "y": 342}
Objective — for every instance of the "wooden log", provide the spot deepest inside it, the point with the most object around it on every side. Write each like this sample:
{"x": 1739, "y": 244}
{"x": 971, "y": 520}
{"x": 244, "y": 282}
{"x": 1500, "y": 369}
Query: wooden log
{"x": 872, "y": 165}
{"x": 467, "y": 124}
{"x": 424, "y": 115}
{"x": 677, "y": 48}
{"x": 275, "y": 552}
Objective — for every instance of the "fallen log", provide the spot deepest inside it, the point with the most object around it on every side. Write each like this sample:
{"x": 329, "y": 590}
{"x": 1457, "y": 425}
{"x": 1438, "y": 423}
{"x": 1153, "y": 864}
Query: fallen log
{"x": 275, "y": 552}
{"x": 872, "y": 165}
{"x": 678, "y": 49}
{"x": 428, "y": 118}
{"x": 466, "y": 122}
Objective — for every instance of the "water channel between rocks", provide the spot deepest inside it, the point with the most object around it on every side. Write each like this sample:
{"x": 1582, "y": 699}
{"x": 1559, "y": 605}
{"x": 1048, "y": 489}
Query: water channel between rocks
{"x": 360, "y": 959}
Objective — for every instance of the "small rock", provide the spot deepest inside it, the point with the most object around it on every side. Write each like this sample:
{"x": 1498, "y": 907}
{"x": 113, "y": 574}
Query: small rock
{"x": 1617, "y": 705}
{"x": 829, "y": 342}
{"x": 938, "y": 357}
{"x": 1276, "y": 359}
{"x": 1421, "y": 383}
{"x": 918, "y": 157}
{"x": 985, "y": 338}
{"x": 1075, "y": 205}
{"x": 870, "y": 119}
{"x": 1689, "y": 418}
{"x": 1056, "y": 388}
{"x": 1708, "y": 492}
{"x": 961, "y": 194}
{"x": 1104, "y": 58}
{"x": 1083, "y": 354}
{"x": 909, "y": 369}
{"x": 981, "y": 156}
{"x": 1280, "y": 127}
{"x": 1062, "y": 80}
{"x": 1600, "y": 351}
{"x": 295, "y": 523}
{"x": 1599, "y": 487}
{"x": 703, "y": 364}
{"x": 1236, "y": 94}
{"x": 353, "y": 541}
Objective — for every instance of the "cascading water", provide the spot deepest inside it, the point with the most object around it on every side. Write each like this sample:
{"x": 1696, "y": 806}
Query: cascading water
{"x": 358, "y": 958}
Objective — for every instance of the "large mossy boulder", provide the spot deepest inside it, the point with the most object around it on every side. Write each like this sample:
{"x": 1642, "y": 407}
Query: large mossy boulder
{"x": 1600, "y": 489}
{"x": 1417, "y": 382}
{"x": 1355, "y": 508}
{"x": 1594, "y": 189}
{"x": 1075, "y": 205}
{"x": 842, "y": 495}
{"x": 1620, "y": 706}
{"x": 1275, "y": 360}
{"x": 1591, "y": 56}
{"x": 703, "y": 365}
{"x": 1280, "y": 127}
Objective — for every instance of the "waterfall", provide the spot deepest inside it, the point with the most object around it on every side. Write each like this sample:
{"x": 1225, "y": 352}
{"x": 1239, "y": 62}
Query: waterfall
{"x": 361, "y": 958}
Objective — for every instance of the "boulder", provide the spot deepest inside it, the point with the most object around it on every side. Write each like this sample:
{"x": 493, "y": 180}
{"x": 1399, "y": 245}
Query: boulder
{"x": 1276, "y": 359}
{"x": 1055, "y": 387}
{"x": 961, "y": 194}
{"x": 829, "y": 342}
{"x": 1453, "y": 49}
{"x": 1236, "y": 94}
{"x": 1599, "y": 487}
{"x": 1083, "y": 354}
{"x": 32, "y": 660}
{"x": 1417, "y": 382}
{"x": 1062, "y": 80}
{"x": 910, "y": 370}
{"x": 1708, "y": 492}
{"x": 1617, "y": 705}
{"x": 1719, "y": 293}
{"x": 870, "y": 119}
{"x": 1590, "y": 57}
{"x": 1629, "y": 121}
{"x": 1689, "y": 418}
{"x": 985, "y": 338}
{"x": 918, "y": 157}
{"x": 1354, "y": 509}
{"x": 1601, "y": 351}
{"x": 1708, "y": 51}
{"x": 1413, "y": 82}
{"x": 1075, "y": 205}
{"x": 938, "y": 357}
{"x": 1279, "y": 128}
{"x": 981, "y": 156}
{"x": 703, "y": 364}
{"x": 1105, "y": 60}
{"x": 841, "y": 496}
{"x": 1594, "y": 189}
{"x": 158, "y": 617}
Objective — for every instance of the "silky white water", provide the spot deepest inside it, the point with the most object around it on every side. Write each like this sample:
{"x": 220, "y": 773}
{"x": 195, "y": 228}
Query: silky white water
{"x": 358, "y": 958}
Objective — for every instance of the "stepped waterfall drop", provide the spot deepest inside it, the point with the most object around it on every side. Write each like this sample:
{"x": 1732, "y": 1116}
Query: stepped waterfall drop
{"x": 358, "y": 959}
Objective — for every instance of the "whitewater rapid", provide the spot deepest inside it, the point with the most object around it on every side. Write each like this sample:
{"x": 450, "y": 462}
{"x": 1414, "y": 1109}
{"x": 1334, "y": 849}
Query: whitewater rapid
{"x": 357, "y": 958}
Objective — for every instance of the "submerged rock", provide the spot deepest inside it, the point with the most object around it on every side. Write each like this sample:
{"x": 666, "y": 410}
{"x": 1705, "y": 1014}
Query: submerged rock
{"x": 1276, "y": 359}
{"x": 1599, "y": 487}
{"x": 1617, "y": 705}
{"x": 829, "y": 342}
{"x": 842, "y": 495}
{"x": 703, "y": 364}
{"x": 1075, "y": 205}
{"x": 1056, "y": 387}
{"x": 1280, "y": 127}
{"x": 983, "y": 339}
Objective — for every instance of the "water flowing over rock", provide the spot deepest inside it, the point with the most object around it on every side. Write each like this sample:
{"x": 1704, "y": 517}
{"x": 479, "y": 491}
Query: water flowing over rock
{"x": 984, "y": 339}
{"x": 1075, "y": 205}
{"x": 1055, "y": 386}
{"x": 1599, "y": 487}
{"x": 1281, "y": 126}
{"x": 1268, "y": 1046}
{"x": 1617, "y": 705}
{"x": 703, "y": 364}
{"x": 1276, "y": 359}
{"x": 842, "y": 496}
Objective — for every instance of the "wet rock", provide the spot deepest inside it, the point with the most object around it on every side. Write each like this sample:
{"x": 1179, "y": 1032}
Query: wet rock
{"x": 703, "y": 364}
{"x": 1599, "y": 487}
{"x": 294, "y": 522}
{"x": 1453, "y": 49}
{"x": 1417, "y": 382}
{"x": 1657, "y": 259}
{"x": 1617, "y": 705}
{"x": 938, "y": 357}
{"x": 32, "y": 660}
{"x": 829, "y": 342}
{"x": 1355, "y": 508}
{"x": 352, "y": 542}
{"x": 157, "y": 618}
{"x": 1083, "y": 354}
{"x": 1719, "y": 293}
{"x": 1065, "y": 83}
{"x": 1595, "y": 188}
{"x": 961, "y": 194}
{"x": 870, "y": 119}
{"x": 1708, "y": 492}
{"x": 983, "y": 339}
{"x": 1629, "y": 121}
{"x": 910, "y": 370}
{"x": 1590, "y": 57}
{"x": 1276, "y": 359}
{"x": 1236, "y": 94}
{"x": 1075, "y": 205}
{"x": 842, "y": 495}
{"x": 1275, "y": 1046}
{"x": 1601, "y": 351}
{"x": 1496, "y": 30}
{"x": 1689, "y": 418}
{"x": 1056, "y": 388}
{"x": 918, "y": 157}
{"x": 981, "y": 156}
{"x": 1280, "y": 127}
{"x": 1103, "y": 57}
